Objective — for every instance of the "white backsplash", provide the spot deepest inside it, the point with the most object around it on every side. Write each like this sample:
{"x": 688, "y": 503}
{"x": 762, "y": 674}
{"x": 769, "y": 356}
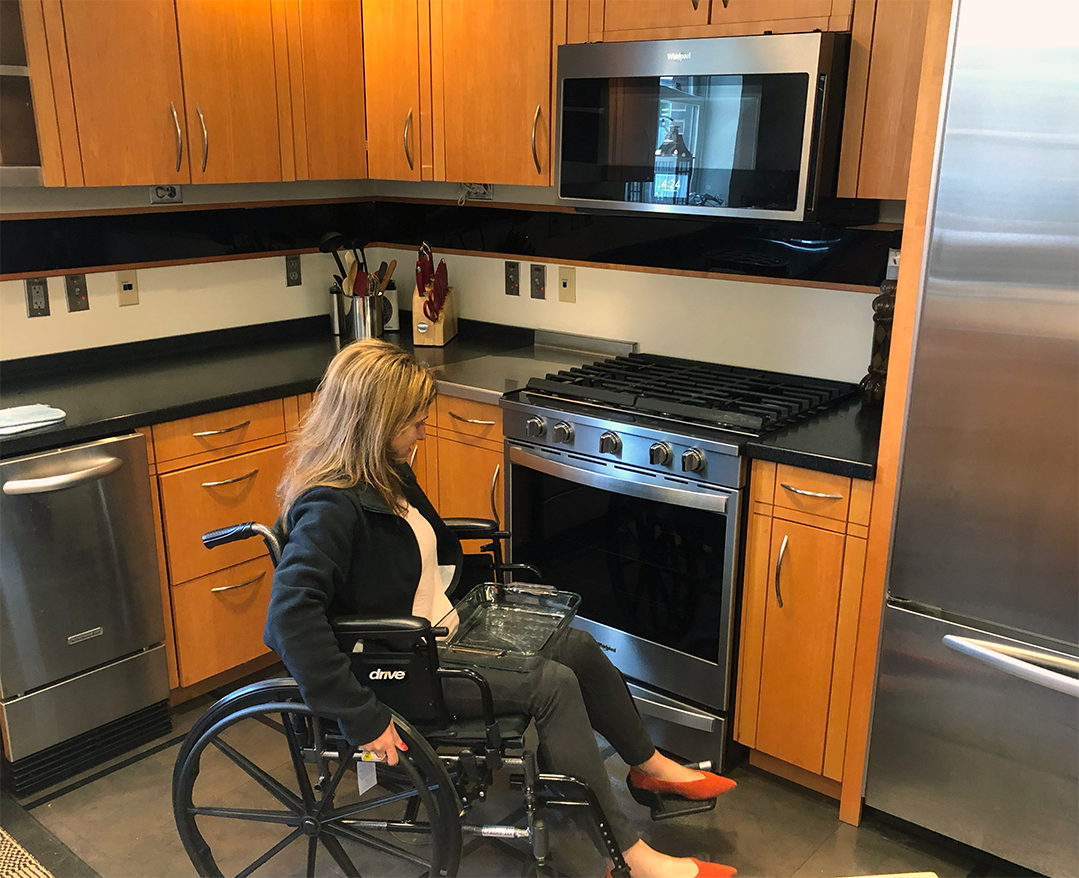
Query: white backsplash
{"x": 805, "y": 330}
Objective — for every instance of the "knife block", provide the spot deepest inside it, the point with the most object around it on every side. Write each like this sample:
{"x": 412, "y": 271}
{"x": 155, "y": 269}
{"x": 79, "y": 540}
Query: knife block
{"x": 437, "y": 332}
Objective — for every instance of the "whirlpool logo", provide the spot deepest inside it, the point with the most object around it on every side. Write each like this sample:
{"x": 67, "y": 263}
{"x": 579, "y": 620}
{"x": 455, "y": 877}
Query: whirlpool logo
{"x": 603, "y": 645}
{"x": 679, "y": 56}
{"x": 380, "y": 674}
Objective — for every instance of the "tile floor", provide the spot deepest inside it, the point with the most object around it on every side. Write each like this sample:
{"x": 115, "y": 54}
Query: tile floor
{"x": 116, "y": 821}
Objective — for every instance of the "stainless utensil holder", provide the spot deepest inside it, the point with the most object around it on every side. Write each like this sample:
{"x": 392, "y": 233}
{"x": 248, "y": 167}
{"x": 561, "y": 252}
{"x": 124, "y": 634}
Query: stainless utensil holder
{"x": 364, "y": 318}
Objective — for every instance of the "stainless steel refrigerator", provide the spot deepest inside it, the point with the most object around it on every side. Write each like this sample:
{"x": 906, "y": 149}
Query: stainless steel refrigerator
{"x": 976, "y": 717}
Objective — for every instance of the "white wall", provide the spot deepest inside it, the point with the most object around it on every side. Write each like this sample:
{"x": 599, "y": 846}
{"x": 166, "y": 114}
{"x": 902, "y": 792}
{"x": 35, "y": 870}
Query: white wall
{"x": 824, "y": 333}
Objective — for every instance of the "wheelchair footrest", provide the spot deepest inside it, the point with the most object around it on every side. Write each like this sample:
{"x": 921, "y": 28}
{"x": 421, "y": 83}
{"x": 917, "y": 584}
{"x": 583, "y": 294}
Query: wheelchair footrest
{"x": 664, "y": 806}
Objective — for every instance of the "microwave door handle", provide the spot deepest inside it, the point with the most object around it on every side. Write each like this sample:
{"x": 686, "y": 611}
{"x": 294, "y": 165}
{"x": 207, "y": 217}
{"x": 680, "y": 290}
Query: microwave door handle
{"x": 66, "y": 480}
{"x": 1019, "y": 663}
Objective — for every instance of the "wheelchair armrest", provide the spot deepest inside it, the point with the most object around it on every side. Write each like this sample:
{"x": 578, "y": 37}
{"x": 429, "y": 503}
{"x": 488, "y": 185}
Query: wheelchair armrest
{"x": 473, "y": 528}
{"x": 490, "y": 723}
{"x": 377, "y": 626}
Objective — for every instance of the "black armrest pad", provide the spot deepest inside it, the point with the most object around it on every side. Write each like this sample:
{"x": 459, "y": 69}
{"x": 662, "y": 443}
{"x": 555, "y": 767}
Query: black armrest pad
{"x": 465, "y": 528}
{"x": 364, "y": 626}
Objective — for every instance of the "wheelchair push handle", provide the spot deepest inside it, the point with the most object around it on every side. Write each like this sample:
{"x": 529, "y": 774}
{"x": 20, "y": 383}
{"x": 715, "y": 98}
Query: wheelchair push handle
{"x": 236, "y": 532}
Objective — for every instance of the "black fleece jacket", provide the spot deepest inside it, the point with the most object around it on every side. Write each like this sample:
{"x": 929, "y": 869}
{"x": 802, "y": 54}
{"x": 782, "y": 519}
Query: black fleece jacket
{"x": 348, "y": 554}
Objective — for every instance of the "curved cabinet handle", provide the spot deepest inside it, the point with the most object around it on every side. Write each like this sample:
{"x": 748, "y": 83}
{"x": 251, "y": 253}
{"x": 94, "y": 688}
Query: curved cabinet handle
{"x": 535, "y": 155}
{"x": 1020, "y": 662}
{"x": 219, "y": 432}
{"x": 238, "y": 584}
{"x": 66, "y": 480}
{"x": 179, "y": 136}
{"x": 725, "y": 2}
{"x": 779, "y": 566}
{"x": 811, "y": 493}
{"x": 408, "y": 127}
{"x": 471, "y": 420}
{"x": 205, "y": 138}
{"x": 494, "y": 484}
{"x": 253, "y": 472}
{"x": 697, "y": 3}
{"x": 412, "y": 457}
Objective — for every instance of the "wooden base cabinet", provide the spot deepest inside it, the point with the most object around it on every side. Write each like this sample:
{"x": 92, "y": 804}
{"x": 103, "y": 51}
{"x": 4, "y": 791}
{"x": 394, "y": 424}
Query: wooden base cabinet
{"x": 468, "y": 459}
{"x": 805, "y": 554}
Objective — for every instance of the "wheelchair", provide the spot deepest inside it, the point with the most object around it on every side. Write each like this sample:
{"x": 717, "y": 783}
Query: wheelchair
{"x": 262, "y": 785}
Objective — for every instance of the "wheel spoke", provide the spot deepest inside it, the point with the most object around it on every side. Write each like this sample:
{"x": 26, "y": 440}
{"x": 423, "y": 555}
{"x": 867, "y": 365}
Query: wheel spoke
{"x": 285, "y": 817}
{"x": 347, "y": 811}
{"x": 271, "y": 853}
{"x": 356, "y": 835}
{"x": 327, "y": 795}
{"x": 269, "y": 783}
{"x": 302, "y": 779}
{"x": 337, "y": 851}
{"x": 312, "y": 850}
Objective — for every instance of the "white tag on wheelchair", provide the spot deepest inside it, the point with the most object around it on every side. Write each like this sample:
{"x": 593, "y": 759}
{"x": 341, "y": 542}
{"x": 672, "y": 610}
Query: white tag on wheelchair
{"x": 365, "y": 776}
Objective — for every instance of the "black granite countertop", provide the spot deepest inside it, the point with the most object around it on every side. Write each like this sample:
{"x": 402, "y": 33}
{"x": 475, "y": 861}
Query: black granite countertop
{"x": 110, "y": 391}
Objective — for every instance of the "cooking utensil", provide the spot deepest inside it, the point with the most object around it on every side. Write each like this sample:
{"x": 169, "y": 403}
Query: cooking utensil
{"x": 350, "y": 279}
{"x": 425, "y": 266}
{"x": 386, "y": 277}
{"x": 381, "y": 273}
{"x": 440, "y": 285}
{"x": 332, "y": 242}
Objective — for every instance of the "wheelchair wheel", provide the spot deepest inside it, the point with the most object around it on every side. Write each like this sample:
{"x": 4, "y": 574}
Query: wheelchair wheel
{"x": 260, "y": 788}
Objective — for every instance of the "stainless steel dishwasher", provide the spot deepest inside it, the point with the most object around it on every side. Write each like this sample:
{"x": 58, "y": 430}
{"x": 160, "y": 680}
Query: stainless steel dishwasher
{"x": 83, "y": 674}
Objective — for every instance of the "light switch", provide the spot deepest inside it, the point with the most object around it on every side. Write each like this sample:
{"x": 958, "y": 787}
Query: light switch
{"x": 567, "y": 283}
{"x": 127, "y": 287}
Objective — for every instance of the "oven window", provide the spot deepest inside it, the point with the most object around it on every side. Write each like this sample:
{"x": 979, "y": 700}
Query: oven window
{"x": 713, "y": 141}
{"x": 648, "y": 568}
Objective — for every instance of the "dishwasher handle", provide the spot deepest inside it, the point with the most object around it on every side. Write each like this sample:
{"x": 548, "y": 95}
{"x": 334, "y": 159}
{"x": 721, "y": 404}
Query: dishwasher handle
{"x": 65, "y": 480}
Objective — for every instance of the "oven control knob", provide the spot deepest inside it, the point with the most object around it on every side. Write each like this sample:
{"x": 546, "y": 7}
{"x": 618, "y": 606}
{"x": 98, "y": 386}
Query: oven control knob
{"x": 535, "y": 427}
{"x": 563, "y": 432}
{"x": 660, "y": 453}
{"x": 692, "y": 461}
{"x": 610, "y": 443}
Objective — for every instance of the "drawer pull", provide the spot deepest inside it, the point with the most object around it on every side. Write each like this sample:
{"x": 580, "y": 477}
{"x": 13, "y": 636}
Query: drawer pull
{"x": 472, "y": 421}
{"x": 232, "y": 429}
{"x": 238, "y": 584}
{"x": 779, "y": 566}
{"x": 412, "y": 457}
{"x": 253, "y": 472}
{"x": 812, "y": 493}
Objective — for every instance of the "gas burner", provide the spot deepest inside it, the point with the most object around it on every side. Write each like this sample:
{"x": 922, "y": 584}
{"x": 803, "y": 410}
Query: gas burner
{"x": 727, "y": 397}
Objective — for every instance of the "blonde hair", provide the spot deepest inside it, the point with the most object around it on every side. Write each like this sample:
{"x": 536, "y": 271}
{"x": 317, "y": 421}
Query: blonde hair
{"x": 372, "y": 390}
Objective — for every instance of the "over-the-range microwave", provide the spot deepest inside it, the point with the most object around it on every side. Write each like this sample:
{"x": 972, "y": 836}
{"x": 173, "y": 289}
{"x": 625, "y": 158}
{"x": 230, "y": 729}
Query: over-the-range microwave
{"x": 727, "y": 126}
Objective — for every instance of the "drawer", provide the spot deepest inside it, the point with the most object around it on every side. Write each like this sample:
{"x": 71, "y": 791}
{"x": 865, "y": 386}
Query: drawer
{"x": 220, "y": 618}
{"x": 477, "y": 419}
{"x": 218, "y": 494}
{"x": 217, "y": 432}
{"x": 809, "y": 491}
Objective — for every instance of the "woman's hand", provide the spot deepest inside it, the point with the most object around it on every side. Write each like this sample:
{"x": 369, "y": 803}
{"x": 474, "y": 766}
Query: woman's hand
{"x": 386, "y": 745}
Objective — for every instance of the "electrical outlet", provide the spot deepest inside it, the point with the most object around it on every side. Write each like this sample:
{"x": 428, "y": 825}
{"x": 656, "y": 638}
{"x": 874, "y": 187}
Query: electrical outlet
{"x": 127, "y": 288}
{"x": 539, "y": 281}
{"x": 292, "y": 271}
{"x": 513, "y": 278}
{"x": 77, "y": 299}
{"x": 37, "y": 297}
{"x": 567, "y": 283}
{"x": 166, "y": 195}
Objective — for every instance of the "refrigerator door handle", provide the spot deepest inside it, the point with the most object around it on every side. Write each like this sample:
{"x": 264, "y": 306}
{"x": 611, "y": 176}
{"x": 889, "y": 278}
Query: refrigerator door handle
{"x": 1019, "y": 662}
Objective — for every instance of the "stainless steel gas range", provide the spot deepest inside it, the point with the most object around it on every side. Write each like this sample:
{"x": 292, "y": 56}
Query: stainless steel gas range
{"x": 624, "y": 483}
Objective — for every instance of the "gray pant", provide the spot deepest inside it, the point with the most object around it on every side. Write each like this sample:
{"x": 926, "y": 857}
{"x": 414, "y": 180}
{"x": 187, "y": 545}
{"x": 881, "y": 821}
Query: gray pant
{"x": 573, "y": 688}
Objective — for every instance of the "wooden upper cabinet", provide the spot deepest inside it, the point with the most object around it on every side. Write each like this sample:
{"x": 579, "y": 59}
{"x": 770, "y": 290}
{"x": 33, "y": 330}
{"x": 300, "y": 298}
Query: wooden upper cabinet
{"x": 768, "y": 10}
{"x": 492, "y": 67}
{"x": 629, "y": 15}
{"x": 230, "y": 90}
{"x": 326, "y": 58}
{"x": 128, "y": 95}
{"x": 391, "y": 64}
{"x": 882, "y": 95}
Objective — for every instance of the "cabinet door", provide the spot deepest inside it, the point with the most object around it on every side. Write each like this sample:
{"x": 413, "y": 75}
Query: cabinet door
{"x": 391, "y": 63}
{"x": 630, "y": 15}
{"x": 230, "y": 90}
{"x": 466, "y": 473}
{"x": 799, "y": 642}
{"x": 495, "y": 71}
{"x": 330, "y": 86}
{"x": 125, "y": 80}
{"x": 733, "y": 11}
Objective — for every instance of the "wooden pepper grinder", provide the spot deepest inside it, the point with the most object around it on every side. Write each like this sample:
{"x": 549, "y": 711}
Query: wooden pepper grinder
{"x": 872, "y": 385}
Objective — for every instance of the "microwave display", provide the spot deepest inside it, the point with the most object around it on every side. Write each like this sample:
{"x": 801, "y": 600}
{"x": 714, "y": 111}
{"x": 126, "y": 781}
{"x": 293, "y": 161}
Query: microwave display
{"x": 727, "y": 141}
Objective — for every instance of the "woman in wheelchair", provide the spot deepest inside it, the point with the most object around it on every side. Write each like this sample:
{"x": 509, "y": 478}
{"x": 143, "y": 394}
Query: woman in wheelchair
{"x": 363, "y": 540}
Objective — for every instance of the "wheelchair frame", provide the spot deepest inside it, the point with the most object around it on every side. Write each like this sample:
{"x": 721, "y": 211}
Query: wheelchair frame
{"x": 433, "y": 791}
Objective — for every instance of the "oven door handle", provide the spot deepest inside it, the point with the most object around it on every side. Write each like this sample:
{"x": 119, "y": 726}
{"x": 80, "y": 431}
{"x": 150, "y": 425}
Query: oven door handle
{"x": 679, "y": 716}
{"x": 648, "y": 491}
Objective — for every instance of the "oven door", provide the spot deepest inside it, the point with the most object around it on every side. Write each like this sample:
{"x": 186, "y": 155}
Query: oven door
{"x": 652, "y": 557}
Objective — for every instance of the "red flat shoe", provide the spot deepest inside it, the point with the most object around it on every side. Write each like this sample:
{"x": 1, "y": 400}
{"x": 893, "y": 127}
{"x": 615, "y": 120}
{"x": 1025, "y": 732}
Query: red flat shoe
{"x": 707, "y": 787}
{"x": 708, "y": 870}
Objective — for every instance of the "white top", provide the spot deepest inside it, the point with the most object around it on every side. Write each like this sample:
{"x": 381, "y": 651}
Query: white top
{"x": 430, "y": 601}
